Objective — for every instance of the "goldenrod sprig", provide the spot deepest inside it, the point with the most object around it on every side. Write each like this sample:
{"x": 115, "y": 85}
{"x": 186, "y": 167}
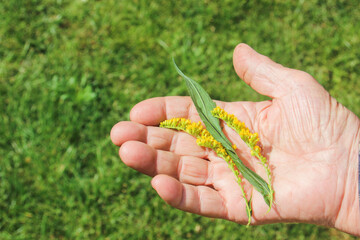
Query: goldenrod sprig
{"x": 183, "y": 124}
{"x": 251, "y": 140}
{"x": 204, "y": 105}
{"x": 205, "y": 139}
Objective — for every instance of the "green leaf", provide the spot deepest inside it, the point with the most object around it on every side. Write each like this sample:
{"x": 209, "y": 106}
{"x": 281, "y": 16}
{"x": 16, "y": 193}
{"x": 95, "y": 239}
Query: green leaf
{"x": 204, "y": 104}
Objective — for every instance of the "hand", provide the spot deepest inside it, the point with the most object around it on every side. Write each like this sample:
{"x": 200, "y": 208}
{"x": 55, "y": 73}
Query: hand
{"x": 310, "y": 140}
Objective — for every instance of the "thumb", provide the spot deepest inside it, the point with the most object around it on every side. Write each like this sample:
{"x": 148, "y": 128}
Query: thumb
{"x": 267, "y": 77}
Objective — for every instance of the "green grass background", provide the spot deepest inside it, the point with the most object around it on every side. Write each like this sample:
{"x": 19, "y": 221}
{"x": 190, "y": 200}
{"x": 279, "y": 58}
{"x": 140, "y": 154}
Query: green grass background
{"x": 70, "y": 69}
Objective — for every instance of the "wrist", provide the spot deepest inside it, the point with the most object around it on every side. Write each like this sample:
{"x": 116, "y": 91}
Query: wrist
{"x": 348, "y": 217}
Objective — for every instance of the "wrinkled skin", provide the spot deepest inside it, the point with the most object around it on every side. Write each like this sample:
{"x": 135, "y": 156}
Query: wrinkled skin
{"x": 310, "y": 140}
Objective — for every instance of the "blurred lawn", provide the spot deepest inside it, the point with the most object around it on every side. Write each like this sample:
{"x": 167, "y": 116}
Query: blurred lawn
{"x": 71, "y": 69}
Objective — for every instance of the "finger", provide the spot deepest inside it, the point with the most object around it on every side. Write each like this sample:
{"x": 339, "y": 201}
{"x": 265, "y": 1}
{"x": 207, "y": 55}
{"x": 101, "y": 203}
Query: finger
{"x": 200, "y": 200}
{"x": 159, "y": 138}
{"x": 267, "y": 77}
{"x": 145, "y": 159}
{"x": 127, "y": 131}
{"x": 153, "y": 111}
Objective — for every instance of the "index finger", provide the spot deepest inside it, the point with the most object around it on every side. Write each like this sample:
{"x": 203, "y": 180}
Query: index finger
{"x": 152, "y": 111}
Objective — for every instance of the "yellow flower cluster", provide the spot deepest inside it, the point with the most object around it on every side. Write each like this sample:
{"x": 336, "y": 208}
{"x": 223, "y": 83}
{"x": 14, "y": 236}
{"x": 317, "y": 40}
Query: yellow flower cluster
{"x": 204, "y": 139}
{"x": 183, "y": 124}
{"x": 251, "y": 139}
{"x": 238, "y": 126}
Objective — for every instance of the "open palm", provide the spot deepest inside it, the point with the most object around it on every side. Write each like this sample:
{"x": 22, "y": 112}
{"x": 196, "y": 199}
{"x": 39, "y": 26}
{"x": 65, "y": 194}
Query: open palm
{"x": 309, "y": 139}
